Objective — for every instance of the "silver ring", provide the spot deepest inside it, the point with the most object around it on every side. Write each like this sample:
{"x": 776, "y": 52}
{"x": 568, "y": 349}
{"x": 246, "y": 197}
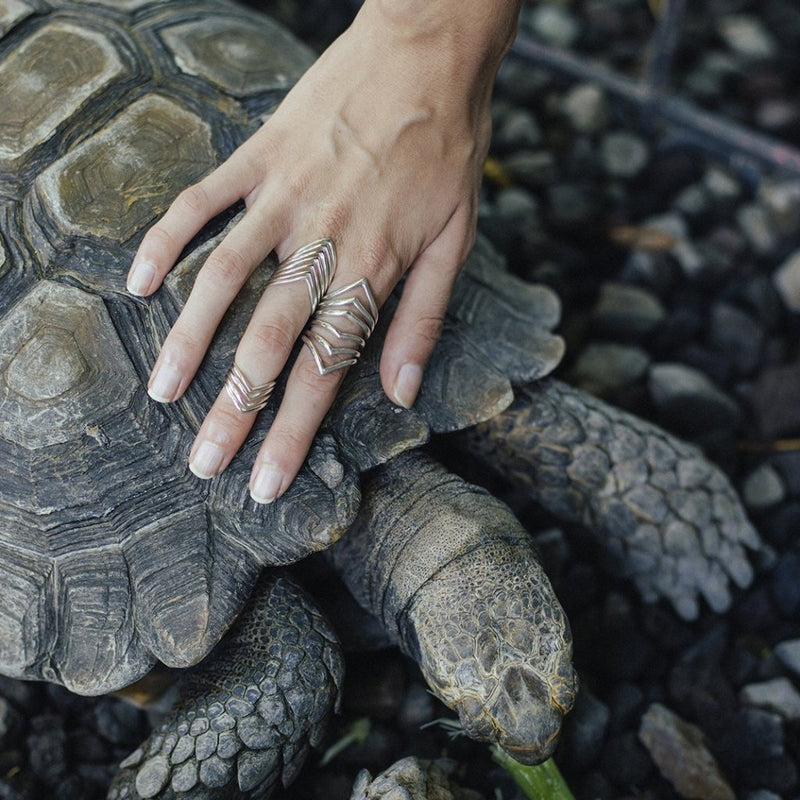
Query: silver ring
{"x": 246, "y": 397}
{"x": 332, "y": 347}
{"x": 315, "y": 264}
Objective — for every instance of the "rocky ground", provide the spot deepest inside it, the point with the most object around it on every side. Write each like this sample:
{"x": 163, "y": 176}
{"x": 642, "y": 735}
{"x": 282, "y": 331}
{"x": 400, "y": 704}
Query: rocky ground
{"x": 681, "y": 287}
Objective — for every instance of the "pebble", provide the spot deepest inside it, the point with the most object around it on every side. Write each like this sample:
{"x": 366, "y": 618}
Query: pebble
{"x": 625, "y": 761}
{"x": 532, "y": 168}
{"x": 761, "y": 794}
{"x": 555, "y": 24}
{"x": 735, "y": 335}
{"x": 763, "y": 488}
{"x": 603, "y": 367}
{"x": 786, "y": 280}
{"x": 773, "y": 400}
{"x": 747, "y": 36}
{"x": 785, "y": 584}
{"x": 584, "y": 731}
{"x": 518, "y": 129}
{"x": 623, "y": 154}
{"x": 778, "y": 695}
{"x": 751, "y": 735}
{"x": 679, "y": 751}
{"x": 627, "y": 311}
{"x": 721, "y": 185}
{"x": 11, "y": 723}
{"x": 782, "y": 199}
{"x": 688, "y": 400}
{"x": 586, "y": 108}
{"x": 788, "y": 653}
{"x": 758, "y": 228}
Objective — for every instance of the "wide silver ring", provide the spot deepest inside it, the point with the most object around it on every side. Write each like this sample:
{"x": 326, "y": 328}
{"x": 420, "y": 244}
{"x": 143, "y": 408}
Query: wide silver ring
{"x": 246, "y": 396}
{"x": 332, "y": 346}
{"x": 314, "y": 264}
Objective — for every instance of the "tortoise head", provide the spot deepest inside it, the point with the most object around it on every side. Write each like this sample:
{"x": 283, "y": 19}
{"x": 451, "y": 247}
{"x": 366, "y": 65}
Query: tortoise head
{"x": 503, "y": 659}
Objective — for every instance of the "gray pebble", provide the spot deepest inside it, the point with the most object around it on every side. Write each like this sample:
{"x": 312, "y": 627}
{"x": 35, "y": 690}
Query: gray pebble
{"x": 628, "y": 311}
{"x": 763, "y": 488}
{"x": 778, "y": 695}
{"x": 689, "y": 400}
{"x": 555, "y": 24}
{"x": 603, "y": 367}
{"x": 737, "y": 336}
{"x": 623, "y": 154}
{"x": 532, "y": 167}
{"x": 758, "y": 228}
{"x": 518, "y": 129}
{"x": 515, "y": 203}
{"x": 586, "y": 108}
{"x": 782, "y": 199}
{"x": 786, "y": 280}
{"x": 721, "y": 184}
{"x": 747, "y": 36}
{"x": 788, "y": 653}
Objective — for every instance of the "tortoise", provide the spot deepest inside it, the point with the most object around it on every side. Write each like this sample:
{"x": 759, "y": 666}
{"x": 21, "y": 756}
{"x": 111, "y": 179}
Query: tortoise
{"x": 113, "y": 557}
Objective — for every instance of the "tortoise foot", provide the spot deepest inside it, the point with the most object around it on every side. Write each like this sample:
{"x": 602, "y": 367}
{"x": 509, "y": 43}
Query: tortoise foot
{"x": 249, "y": 713}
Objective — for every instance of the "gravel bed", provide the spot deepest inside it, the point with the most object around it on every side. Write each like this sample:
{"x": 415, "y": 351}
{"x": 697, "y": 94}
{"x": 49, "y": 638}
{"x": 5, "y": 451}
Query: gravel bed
{"x": 681, "y": 290}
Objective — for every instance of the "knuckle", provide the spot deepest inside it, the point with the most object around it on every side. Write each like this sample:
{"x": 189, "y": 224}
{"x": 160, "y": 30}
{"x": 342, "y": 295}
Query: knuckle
{"x": 307, "y": 376}
{"x": 429, "y": 328}
{"x": 194, "y": 199}
{"x": 227, "y": 265}
{"x": 183, "y": 346}
{"x": 275, "y": 334}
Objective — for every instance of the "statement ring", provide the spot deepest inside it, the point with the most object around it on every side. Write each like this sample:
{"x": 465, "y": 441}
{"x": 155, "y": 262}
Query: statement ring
{"x": 313, "y": 264}
{"x": 332, "y": 346}
{"x": 246, "y": 396}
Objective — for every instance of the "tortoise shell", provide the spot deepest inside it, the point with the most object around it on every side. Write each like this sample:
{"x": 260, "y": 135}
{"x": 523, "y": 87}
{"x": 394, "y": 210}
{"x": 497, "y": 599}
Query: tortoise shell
{"x": 112, "y": 554}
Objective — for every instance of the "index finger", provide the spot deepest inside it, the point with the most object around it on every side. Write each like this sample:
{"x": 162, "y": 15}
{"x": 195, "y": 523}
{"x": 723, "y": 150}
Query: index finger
{"x": 193, "y": 208}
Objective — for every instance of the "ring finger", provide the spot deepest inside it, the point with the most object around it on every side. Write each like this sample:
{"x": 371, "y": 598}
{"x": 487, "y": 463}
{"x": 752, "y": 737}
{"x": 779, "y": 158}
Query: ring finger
{"x": 333, "y": 342}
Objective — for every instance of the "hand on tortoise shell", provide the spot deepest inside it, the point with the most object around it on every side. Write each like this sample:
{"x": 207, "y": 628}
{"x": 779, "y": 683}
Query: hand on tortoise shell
{"x": 379, "y": 147}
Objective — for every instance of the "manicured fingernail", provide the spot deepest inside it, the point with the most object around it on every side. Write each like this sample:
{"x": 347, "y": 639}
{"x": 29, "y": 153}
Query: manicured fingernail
{"x": 164, "y": 384}
{"x": 266, "y": 484}
{"x": 140, "y": 277}
{"x": 406, "y": 387}
{"x": 207, "y": 460}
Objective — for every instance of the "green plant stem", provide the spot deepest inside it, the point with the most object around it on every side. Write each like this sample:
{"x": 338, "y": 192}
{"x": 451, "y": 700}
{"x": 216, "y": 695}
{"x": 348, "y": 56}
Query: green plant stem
{"x": 541, "y": 782}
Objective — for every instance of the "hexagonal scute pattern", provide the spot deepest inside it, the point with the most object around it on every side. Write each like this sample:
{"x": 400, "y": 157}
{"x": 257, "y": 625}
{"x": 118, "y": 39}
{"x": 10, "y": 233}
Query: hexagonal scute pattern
{"x": 122, "y": 177}
{"x": 62, "y": 367}
{"x": 241, "y": 56}
{"x": 46, "y": 80}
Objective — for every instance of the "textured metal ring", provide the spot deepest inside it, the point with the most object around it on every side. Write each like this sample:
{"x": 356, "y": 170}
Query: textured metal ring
{"x": 314, "y": 264}
{"x": 332, "y": 347}
{"x": 246, "y": 396}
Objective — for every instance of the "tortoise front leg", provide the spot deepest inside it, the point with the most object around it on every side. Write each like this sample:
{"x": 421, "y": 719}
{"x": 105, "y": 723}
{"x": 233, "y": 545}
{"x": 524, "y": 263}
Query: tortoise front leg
{"x": 249, "y": 713}
{"x": 669, "y": 519}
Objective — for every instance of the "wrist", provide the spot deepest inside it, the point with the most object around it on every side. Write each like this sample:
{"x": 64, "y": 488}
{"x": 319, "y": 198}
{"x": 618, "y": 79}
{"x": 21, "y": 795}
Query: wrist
{"x": 469, "y": 36}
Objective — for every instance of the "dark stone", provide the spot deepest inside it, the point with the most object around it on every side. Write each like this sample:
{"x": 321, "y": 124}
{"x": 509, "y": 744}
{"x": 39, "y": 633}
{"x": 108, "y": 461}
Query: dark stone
{"x": 786, "y": 584}
{"x": 47, "y": 749}
{"x": 773, "y": 398}
{"x": 774, "y": 774}
{"x": 120, "y": 722}
{"x": 626, "y": 703}
{"x": 751, "y": 735}
{"x": 735, "y": 335}
{"x": 625, "y": 761}
{"x": 584, "y": 730}
{"x": 781, "y": 526}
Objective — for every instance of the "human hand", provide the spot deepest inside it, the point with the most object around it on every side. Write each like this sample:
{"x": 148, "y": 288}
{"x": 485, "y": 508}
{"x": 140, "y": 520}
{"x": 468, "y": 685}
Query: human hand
{"x": 380, "y": 148}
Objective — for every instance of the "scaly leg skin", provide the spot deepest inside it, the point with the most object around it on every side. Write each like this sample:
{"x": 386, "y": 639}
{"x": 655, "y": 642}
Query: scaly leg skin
{"x": 249, "y": 713}
{"x": 670, "y": 520}
{"x": 456, "y": 582}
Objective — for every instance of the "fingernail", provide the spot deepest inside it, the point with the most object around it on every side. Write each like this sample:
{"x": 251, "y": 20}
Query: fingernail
{"x": 207, "y": 460}
{"x": 267, "y": 484}
{"x": 406, "y": 387}
{"x": 164, "y": 384}
{"x": 140, "y": 277}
